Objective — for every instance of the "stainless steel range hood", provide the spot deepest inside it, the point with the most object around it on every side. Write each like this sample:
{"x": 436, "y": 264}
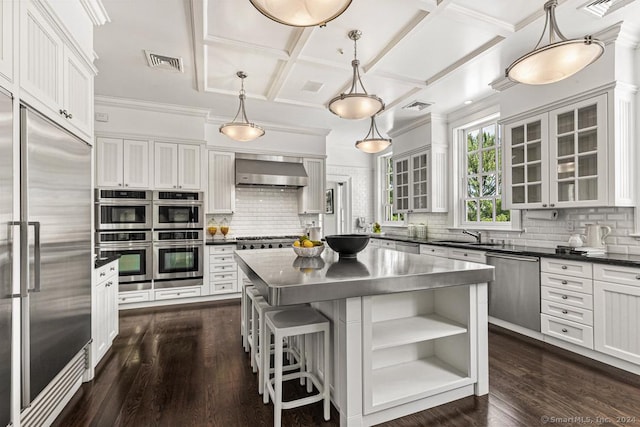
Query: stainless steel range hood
{"x": 274, "y": 171}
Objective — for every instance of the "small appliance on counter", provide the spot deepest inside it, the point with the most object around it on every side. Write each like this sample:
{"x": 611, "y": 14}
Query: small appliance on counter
{"x": 595, "y": 235}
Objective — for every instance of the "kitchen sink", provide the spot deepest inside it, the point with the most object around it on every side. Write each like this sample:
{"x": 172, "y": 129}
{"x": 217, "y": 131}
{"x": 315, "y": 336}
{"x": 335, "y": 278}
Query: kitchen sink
{"x": 460, "y": 242}
{"x": 485, "y": 244}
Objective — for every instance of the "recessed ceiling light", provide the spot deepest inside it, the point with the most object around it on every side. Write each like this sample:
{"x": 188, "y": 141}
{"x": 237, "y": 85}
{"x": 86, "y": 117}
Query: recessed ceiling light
{"x": 467, "y": 102}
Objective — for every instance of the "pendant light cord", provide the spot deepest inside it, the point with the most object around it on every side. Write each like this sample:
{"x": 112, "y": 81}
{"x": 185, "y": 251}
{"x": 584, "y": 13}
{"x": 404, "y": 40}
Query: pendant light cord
{"x": 356, "y": 64}
{"x": 241, "y": 109}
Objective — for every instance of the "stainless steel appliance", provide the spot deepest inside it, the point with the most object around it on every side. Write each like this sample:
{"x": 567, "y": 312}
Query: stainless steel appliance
{"x": 6, "y": 221}
{"x": 514, "y": 294}
{"x": 55, "y": 251}
{"x": 279, "y": 171}
{"x": 136, "y": 256}
{"x": 178, "y": 209}
{"x": 178, "y": 254}
{"x": 265, "y": 242}
{"x": 123, "y": 209}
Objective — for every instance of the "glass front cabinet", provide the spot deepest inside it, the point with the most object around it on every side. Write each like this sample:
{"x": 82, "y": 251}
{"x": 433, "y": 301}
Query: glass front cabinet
{"x": 420, "y": 180}
{"x": 559, "y": 158}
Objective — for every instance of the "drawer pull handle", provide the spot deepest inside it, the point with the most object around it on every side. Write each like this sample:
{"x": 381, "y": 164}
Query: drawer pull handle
{"x": 564, "y": 297}
{"x": 103, "y": 274}
{"x": 178, "y": 294}
{"x": 638, "y": 276}
{"x": 564, "y": 312}
{"x": 564, "y": 267}
{"x": 564, "y": 330}
{"x": 564, "y": 282}
{"x": 113, "y": 269}
{"x": 465, "y": 254}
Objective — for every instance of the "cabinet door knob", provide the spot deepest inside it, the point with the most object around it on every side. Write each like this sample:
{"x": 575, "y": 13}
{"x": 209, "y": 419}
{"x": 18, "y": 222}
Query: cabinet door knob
{"x": 102, "y": 274}
{"x": 564, "y": 267}
{"x": 638, "y": 276}
{"x": 564, "y": 311}
{"x": 69, "y": 116}
{"x": 552, "y": 204}
{"x": 119, "y": 185}
{"x": 465, "y": 254}
{"x": 564, "y": 330}
{"x": 564, "y": 282}
{"x": 564, "y": 297}
{"x": 544, "y": 205}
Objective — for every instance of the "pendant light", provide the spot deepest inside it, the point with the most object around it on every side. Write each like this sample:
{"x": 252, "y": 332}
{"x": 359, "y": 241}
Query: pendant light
{"x": 373, "y": 142}
{"x": 356, "y": 105}
{"x": 301, "y": 13}
{"x": 243, "y": 130}
{"x": 557, "y": 60}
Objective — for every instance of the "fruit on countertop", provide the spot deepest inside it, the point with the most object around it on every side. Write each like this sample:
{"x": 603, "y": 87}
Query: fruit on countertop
{"x": 376, "y": 227}
{"x": 307, "y": 243}
{"x": 296, "y": 243}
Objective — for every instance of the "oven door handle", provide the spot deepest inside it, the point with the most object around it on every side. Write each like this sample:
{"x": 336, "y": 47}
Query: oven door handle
{"x": 180, "y": 244}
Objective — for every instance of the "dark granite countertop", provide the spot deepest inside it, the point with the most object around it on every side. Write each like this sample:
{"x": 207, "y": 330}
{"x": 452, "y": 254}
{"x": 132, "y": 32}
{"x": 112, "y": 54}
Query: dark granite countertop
{"x": 104, "y": 261}
{"x": 231, "y": 241}
{"x": 609, "y": 258}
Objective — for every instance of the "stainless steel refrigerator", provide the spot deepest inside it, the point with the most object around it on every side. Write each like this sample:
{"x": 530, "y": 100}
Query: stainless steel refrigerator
{"x": 54, "y": 232}
{"x": 6, "y": 219}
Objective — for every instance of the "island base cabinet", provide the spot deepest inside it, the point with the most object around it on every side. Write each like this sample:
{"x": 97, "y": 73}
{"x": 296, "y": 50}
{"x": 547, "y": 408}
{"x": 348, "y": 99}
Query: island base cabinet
{"x": 617, "y": 320}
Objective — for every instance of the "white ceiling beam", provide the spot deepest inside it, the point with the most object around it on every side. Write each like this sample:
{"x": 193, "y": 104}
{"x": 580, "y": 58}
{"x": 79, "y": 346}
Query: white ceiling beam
{"x": 239, "y": 44}
{"x": 198, "y": 18}
{"x": 401, "y": 99}
{"x": 481, "y": 20}
{"x": 418, "y": 21}
{"x": 399, "y": 79}
{"x": 300, "y": 40}
{"x": 468, "y": 57}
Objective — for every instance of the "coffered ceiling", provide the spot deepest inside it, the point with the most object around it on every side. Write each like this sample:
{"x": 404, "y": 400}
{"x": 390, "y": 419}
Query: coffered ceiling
{"x": 441, "y": 52}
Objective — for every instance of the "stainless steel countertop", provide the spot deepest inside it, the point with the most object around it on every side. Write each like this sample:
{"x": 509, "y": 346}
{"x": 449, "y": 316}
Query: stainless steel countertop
{"x": 283, "y": 278}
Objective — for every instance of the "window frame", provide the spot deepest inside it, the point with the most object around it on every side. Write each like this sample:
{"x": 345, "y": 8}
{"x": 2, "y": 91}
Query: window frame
{"x": 382, "y": 188}
{"x": 458, "y": 220}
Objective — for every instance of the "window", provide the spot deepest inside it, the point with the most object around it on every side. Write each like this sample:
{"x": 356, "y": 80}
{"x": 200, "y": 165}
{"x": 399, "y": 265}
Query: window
{"x": 482, "y": 170}
{"x": 388, "y": 216}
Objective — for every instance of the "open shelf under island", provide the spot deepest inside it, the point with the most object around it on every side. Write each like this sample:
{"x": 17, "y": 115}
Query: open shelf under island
{"x": 409, "y": 332}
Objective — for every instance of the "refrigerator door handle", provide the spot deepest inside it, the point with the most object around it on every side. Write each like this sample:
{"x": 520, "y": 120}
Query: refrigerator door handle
{"x": 36, "y": 256}
{"x": 10, "y": 233}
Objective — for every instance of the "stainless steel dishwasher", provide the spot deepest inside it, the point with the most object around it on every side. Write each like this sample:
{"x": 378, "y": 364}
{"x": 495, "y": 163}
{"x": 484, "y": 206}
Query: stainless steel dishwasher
{"x": 514, "y": 294}
{"x": 412, "y": 248}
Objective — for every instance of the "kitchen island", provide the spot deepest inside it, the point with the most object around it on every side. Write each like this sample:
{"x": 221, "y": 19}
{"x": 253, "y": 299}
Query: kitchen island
{"x": 409, "y": 332}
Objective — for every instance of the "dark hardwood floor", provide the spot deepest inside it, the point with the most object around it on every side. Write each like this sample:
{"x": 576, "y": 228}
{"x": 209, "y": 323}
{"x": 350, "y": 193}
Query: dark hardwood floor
{"x": 184, "y": 366}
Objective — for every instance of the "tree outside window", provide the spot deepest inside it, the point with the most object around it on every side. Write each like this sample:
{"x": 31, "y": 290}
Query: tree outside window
{"x": 483, "y": 178}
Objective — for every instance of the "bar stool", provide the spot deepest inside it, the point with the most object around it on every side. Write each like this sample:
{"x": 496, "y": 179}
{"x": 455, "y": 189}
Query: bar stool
{"x": 259, "y": 346}
{"x": 245, "y": 317}
{"x": 290, "y": 323}
{"x": 252, "y": 294}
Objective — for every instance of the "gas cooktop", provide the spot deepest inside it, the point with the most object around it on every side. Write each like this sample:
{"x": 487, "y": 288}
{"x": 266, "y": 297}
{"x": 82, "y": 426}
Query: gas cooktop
{"x": 265, "y": 242}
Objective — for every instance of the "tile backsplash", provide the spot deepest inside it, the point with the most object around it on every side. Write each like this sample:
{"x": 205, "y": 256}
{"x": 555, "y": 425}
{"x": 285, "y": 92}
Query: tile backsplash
{"x": 543, "y": 233}
{"x": 265, "y": 211}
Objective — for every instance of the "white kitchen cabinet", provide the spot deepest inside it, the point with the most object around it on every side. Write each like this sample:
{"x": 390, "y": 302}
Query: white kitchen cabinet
{"x": 222, "y": 182}
{"x": 566, "y": 301}
{"x": 467, "y": 255}
{"x": 6, "y": 43}
{"x": 434, "y": 250}
{"x": 420, "y": 180}
{"x": 56, "y": 82}
{"x": 223, "y": 269}
{"x": 104, "y": 323}
{"x": 311, "y": 198}
{"x": 617, "y": 312}
{"x": 122, "y": 163}
{"x": 576, "y": 155}
{"x": 176, "y": 166}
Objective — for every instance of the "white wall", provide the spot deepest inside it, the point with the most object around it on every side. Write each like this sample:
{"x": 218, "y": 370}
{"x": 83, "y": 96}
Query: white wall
{"x": 273, "y": 141}
{"x": 146, "y": 121}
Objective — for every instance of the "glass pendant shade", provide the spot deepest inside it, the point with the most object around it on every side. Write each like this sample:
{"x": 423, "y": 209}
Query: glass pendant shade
{"x": 356, "y": 105}
{"x": 557, "y": 60}
{"x": 243, "y": 130}
{"x": 301, "y": 13}
{"x": 373, "y": 142}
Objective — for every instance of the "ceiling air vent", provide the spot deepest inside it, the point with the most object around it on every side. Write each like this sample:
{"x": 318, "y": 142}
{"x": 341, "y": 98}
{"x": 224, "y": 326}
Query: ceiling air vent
{"x": 311, "y": 86}
{"x": 601, "y": 8}
{"x": 417, "y": 106}
{"x": 164, "y": 62}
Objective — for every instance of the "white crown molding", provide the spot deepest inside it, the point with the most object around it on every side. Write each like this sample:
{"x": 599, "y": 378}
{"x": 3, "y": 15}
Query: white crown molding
{"x": 237, "y": 44}
{"x": 217, "y": 121}
{"x": 490, "y": 104}
{"x": 479, "y": 19}
{"x": 148, "y": 137}
{"x": 136, "y": 104}
{"x": 214, "y": 147}
{"x": 502, "y": 83}
{"x": 96, "y": 11}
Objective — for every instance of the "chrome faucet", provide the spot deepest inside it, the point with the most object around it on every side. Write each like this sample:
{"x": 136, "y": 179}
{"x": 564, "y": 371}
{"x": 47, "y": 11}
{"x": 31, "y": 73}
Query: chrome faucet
{"x": 477, "y": 235}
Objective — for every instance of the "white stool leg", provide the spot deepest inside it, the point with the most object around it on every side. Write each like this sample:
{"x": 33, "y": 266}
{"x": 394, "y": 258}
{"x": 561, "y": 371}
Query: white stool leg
{"x": 327, "y": 375}
{"x": 254, "y": 337}
{"x": 277, "y": 404}
{"x": 243, "y": 321}
{"x": 303, "y": 356}
{"x": 310, "y": 347}
{"x": 264, "y": 352}
{"x": 266, "y": 364}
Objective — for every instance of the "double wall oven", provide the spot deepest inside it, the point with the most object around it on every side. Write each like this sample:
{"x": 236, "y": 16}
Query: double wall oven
{"x": 157, "y": 234}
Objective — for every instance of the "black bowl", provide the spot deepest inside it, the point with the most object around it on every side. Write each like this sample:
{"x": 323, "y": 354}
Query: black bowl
{"x": 347, "y": 245}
